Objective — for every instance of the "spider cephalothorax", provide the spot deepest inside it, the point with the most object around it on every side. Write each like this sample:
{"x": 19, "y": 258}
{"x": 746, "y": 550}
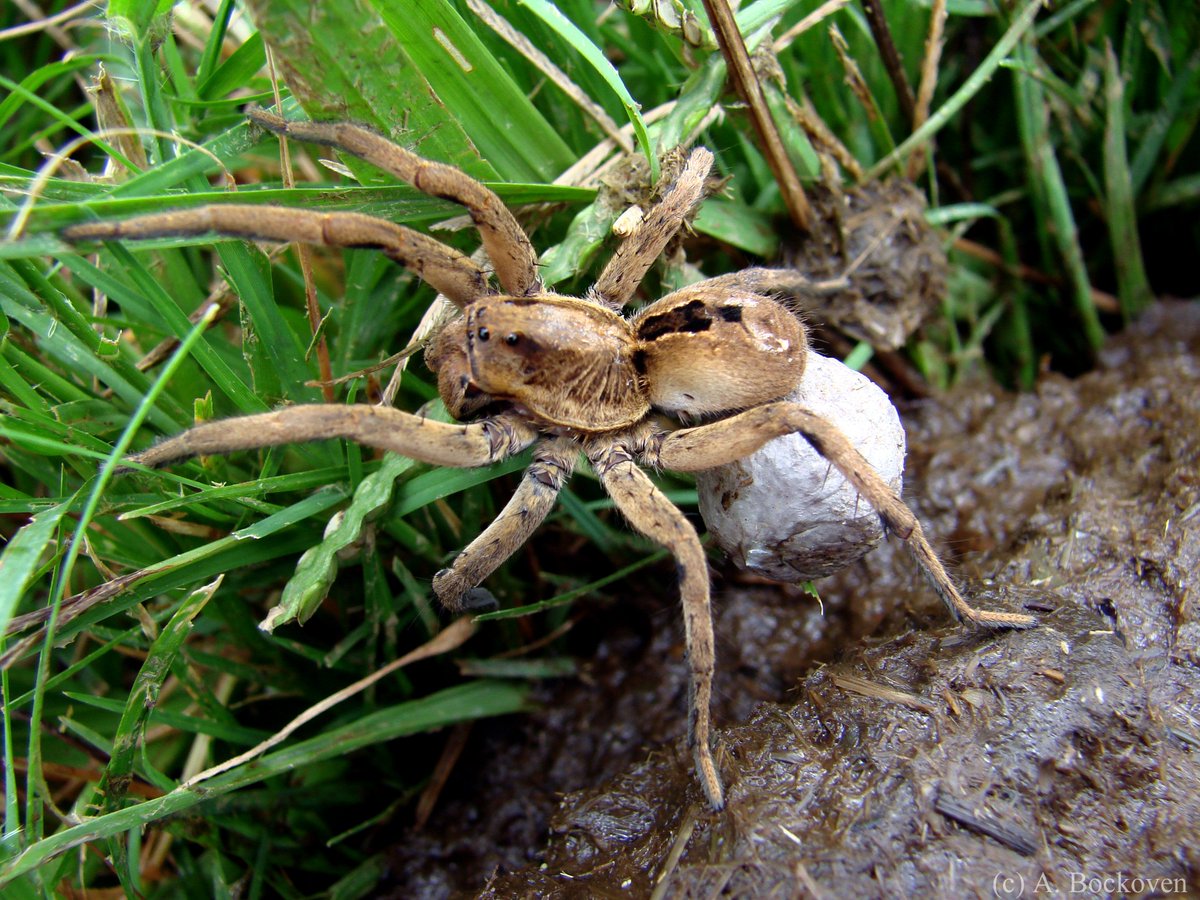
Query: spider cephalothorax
{"x": 568, "y": 375}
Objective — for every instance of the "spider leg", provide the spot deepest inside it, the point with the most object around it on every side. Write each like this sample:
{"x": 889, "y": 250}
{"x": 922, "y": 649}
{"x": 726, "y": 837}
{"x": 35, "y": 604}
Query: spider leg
{"x": 758, "y": 280}
{"x": 438, "y": 443}
{"x": 633, "y": 258}
{"x": 524, "y": 512}
{"x": 507, "y": 245}
{"x": 443, "y": 268}
{"x": 651, "y": 513}
{"x": 718, "y": 443}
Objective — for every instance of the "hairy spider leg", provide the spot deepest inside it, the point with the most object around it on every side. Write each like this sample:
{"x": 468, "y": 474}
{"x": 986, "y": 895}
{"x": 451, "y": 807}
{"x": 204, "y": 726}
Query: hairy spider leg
{"x": 443, "y": 268}
{"x": 757, "y": 280}
{"x": 437, "y": 443}
{"x": 633, "y": 258}
{"x": 507, "y": 245}
{"x": 718, "y": 443}
{"x": 535, "y": 496}
{"x": 649, "y": 511}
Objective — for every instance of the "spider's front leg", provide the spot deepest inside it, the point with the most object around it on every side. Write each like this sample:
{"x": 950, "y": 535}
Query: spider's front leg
{"x": 508, "y": 247}
{"x": 437, "y": 443}
{"x": 444, "y": 268}
{"x": 719, "y": 443}
{"x": 625, "y": 270}
{"x": 552, "y": 464}
{"x": 650, "y": 512}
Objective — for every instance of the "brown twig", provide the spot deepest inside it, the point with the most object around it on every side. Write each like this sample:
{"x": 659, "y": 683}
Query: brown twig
{"x": 890, "y": 55}
{"x": 224, "y": 299}
{"x": 746, "y": 83}
{"x": 449, "y": 638}
{"x": 1103, "y": 301}
{"x": 929, "y": 69}
{"x": 456, "y": 742}
{"x": 854, "y": 76}
{"x": 304, "y": 254}
{"x": 866, "y": 688}
{"x": 814, "y": 18}
{"x": 41, "y": 22}
{"x": 823, "y": 140}
{"x": 1012, "y": 836}
{"x": 83, "y": 774}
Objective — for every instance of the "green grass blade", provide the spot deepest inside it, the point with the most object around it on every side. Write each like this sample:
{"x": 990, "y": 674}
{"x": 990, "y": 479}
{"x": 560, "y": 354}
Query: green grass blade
{"x": 422, "y": 51}
{"x": 574, "y": 594}
{"x": 35, "y": 80}
{"x": 23, "y": 554}
{"x": 140, "y": 283}
{"x": 1133, "y": 287}
{"x": 76, "y": 347}
{"x": 211, "y": 57}
{"x": 1049, "y": 184}
{"x": 435, "y": 484}
{"x": 1021, "y": 24}
{"x": 1174, "y": 106}
{"x": 235, "y": 71}
{"x": 142, "y": 699}
{"x": 582, "y": 44}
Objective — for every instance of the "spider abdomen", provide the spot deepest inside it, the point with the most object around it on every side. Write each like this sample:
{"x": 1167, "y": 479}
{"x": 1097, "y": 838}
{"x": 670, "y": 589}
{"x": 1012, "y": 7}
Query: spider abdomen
{"x": 703, "y": 351}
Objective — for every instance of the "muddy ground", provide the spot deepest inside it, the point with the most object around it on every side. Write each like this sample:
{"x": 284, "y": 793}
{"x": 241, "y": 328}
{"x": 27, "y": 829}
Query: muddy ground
{"x": 874, "y": 748}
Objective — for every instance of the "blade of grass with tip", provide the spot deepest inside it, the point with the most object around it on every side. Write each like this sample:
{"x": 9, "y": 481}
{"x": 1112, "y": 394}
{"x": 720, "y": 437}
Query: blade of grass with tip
{"x": 582, "y": 44}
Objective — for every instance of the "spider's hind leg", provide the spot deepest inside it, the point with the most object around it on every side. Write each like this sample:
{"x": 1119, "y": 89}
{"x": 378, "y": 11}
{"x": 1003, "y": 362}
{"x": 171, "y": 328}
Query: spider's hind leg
{"x": 457, "y": 586}
{"x": 650, "y": 512}
{"x": 718, "y": 443}
{"x": 759, "y": 280}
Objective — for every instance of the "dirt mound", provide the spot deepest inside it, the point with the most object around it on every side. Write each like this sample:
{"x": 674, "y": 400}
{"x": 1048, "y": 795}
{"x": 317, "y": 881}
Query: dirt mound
{"x": 884, "y": 750}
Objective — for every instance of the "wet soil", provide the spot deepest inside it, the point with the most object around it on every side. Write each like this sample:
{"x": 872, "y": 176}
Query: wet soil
{"x": 875, "y": 748}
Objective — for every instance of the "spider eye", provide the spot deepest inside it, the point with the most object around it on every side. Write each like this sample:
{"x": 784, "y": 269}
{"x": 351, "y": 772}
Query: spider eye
{"x": 484, "y": 334}
{"x": 511, "y": 339}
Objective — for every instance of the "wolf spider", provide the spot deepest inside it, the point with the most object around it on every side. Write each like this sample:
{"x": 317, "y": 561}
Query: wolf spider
{"x": 564, "y": 375}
